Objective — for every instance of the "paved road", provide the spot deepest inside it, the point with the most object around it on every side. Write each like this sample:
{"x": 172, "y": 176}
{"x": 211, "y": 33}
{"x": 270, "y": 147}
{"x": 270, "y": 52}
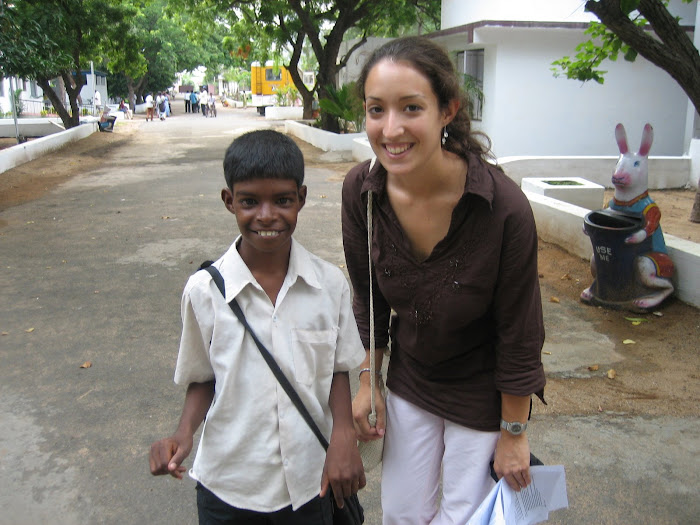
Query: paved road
{"x": 94, "y": 271}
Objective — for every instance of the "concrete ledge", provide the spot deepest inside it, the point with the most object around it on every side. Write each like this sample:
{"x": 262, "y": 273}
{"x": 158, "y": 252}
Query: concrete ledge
{"x": 580, "y": 192}
{"x": 324, "y": 140}
{"x": 686, "y": 257}
{"x": 664, "y": 172}
{"x": 21, "y": 153}
{"x": 31, "y": 127}
{"x": 361, "y": 150}
{"x": 284, "y": 113}
{"x": 561, "y": 223}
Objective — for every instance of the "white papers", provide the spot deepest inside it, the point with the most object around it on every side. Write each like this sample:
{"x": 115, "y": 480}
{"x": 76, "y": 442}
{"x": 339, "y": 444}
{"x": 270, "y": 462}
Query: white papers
{"x": 531, "y": 505}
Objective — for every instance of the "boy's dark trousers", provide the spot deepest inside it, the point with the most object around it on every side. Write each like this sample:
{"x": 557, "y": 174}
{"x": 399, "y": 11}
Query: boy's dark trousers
{"x": 213, "y": 511}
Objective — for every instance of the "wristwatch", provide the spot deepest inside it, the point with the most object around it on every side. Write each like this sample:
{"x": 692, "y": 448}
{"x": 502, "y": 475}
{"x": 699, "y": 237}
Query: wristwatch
{"x": 516, "y": 427}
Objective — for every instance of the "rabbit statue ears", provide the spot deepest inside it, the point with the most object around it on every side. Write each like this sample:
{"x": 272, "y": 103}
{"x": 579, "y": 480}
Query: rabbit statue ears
{"x": 647, "y": 139}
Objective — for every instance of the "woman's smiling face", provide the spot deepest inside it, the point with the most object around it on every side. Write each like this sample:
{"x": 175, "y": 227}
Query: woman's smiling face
{"x": 403, "y": 119}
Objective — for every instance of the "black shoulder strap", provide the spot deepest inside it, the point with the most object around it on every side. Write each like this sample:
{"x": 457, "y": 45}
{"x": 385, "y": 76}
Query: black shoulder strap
{"x": 215, "y": 275}
{"x": 269, "y": 359}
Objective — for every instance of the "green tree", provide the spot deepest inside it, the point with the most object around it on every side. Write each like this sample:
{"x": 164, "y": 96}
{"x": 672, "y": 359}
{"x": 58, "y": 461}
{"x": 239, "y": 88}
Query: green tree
{"x": 45, "y": 40}
{"x": 637, "y": 27}
{"x": 289, "y": 24}
{"x": 158, "y": 47}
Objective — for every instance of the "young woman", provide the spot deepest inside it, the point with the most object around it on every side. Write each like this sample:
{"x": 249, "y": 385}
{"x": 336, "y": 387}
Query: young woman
{"x": 454, "y": 255}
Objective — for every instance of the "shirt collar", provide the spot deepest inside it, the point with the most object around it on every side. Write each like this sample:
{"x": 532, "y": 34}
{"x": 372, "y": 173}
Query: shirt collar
{"x": 237, "y": 275}
{"x": 479, "y": 179}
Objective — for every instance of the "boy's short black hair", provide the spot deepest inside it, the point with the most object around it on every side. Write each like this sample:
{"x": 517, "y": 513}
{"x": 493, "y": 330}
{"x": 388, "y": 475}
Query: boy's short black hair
{"x": 263, "y": 154}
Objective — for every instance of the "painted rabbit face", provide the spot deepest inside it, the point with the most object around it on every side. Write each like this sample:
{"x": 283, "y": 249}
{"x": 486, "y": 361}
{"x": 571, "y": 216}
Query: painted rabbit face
{"x": 632, "y": 173}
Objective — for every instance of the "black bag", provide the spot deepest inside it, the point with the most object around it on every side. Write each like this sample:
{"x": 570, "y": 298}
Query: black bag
{"x": 352, "y": 512}
{"x": 534, "y": 461}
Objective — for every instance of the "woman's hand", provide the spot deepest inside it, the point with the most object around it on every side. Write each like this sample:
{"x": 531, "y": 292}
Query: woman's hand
{"x": 512, "y": 460}
{"x": 361, "y": 408}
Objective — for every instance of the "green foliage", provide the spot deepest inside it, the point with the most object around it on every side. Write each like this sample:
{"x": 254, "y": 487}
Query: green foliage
{"x": 240, "y": 76}
{"x": 290, "y": 30}
{"x": 344, "y": 104}
{"x": 287, "y": 95}
{"x": 602, "y": 45}
{"x": 28, "y": 49}
{"x": 19, "y": 107}
{"x": 475, "y": 94}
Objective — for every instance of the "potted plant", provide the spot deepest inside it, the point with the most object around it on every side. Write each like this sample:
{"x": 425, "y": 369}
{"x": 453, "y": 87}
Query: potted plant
{"x": 346, "y": 105}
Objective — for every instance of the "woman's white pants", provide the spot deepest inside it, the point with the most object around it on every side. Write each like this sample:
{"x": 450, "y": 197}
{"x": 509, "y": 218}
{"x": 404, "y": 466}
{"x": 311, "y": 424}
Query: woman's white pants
{"x": 418, "y": 447}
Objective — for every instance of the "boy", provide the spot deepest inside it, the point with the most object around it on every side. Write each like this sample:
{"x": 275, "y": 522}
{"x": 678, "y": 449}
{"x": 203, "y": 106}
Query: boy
{"x": 258, "y": 461}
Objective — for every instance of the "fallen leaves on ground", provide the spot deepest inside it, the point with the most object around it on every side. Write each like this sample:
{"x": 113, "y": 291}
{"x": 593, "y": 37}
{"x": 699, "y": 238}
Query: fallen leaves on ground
{"x": 612, "y": 374}
{"x": 636, "y": 321}
{"x": 554, "y": 300}
{"x": 86, "y": 364}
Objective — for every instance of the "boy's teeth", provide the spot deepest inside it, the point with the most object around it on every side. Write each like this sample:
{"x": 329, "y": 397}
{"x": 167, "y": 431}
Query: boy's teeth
{"x": 267, "y": 234}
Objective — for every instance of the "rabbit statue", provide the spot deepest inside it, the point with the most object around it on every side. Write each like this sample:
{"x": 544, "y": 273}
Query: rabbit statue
{"x": 652, "y": 267}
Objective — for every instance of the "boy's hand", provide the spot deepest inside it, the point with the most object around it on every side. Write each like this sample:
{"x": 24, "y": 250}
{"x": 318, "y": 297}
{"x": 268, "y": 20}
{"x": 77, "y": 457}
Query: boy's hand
{"x": 361, "y": 408}
{"x": 343, "y": 470}
{"x": 167, "y": 455}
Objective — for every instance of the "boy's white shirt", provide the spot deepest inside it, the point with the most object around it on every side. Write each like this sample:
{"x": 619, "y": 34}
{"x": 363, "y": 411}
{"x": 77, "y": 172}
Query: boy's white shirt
{"x": 256, "y": 452}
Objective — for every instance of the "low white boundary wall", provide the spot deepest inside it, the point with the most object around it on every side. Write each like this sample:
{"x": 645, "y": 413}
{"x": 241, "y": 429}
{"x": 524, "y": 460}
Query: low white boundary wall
{"x": 664, "y": 172}
{"x": 322, "y": 139}
{"x": 284, "y": 112}
{"x": 561, "y": 223}
{"x": 33, "y": 149}
{"x": 30, "y": 127}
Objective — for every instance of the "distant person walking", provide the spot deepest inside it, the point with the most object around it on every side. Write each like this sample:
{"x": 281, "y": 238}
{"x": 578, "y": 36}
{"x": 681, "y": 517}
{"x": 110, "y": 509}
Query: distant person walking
{"x": 203, "y": 101}
{"x": 97, "y": 101}
{"x": 188, "y": 102}
{"x": 194, "y": 99}
{"x": 212, "y": 105}
{"x": 150, "y": 107}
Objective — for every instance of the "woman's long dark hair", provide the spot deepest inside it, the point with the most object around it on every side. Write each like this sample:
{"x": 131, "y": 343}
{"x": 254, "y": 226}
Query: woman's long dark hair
{"x": 433, "y": 62}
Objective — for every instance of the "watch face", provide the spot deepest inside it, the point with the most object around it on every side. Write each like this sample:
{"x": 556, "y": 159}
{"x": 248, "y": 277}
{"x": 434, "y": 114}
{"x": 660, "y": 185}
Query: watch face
{"x": 516, "y": 427}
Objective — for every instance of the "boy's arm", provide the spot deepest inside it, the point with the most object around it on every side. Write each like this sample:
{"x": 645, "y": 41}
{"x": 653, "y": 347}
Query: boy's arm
{"x": 168, "y": 453}
{"x": 343, "y": 470}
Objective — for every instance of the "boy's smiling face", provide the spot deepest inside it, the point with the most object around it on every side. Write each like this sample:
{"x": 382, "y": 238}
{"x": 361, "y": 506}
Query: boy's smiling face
{"x": 266, "y": 211}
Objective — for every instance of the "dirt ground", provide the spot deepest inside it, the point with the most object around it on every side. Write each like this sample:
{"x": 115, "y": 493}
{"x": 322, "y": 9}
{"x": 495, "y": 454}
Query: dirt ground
{"x": 660, "y": 371}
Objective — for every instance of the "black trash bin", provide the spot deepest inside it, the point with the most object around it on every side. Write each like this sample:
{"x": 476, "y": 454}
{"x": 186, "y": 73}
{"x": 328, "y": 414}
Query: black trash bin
{"x": 616, "y": 273}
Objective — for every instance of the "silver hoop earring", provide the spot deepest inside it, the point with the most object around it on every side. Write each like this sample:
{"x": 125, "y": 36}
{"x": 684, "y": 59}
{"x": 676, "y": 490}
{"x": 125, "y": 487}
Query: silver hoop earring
{"x": 444, "y": 135}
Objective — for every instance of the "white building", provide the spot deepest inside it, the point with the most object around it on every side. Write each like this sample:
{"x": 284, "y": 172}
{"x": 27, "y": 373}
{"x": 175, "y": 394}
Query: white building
{"x": 32, "y": 96}
{"x": 509, "y": 45}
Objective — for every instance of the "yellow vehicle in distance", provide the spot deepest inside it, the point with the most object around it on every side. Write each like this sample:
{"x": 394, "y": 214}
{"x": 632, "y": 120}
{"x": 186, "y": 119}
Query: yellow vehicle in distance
{"x": 265, "y": 81}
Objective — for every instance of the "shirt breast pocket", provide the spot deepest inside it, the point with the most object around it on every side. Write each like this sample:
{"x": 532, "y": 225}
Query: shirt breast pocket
{"x": 313, "y": 352}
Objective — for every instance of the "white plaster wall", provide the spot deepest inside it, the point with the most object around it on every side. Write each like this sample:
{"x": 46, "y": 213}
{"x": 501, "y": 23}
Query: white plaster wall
{"x": 459, "y": 12}
{"x": 529, "y": 112}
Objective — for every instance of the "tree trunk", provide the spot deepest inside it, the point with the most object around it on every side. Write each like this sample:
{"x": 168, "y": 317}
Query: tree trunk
{"x": 695, "y": 212}
{"x": 56, "y": 102}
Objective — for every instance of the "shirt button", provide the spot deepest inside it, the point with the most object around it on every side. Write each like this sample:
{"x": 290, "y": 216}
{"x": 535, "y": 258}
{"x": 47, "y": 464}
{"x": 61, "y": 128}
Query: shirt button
{"x": 286, "y": 462}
